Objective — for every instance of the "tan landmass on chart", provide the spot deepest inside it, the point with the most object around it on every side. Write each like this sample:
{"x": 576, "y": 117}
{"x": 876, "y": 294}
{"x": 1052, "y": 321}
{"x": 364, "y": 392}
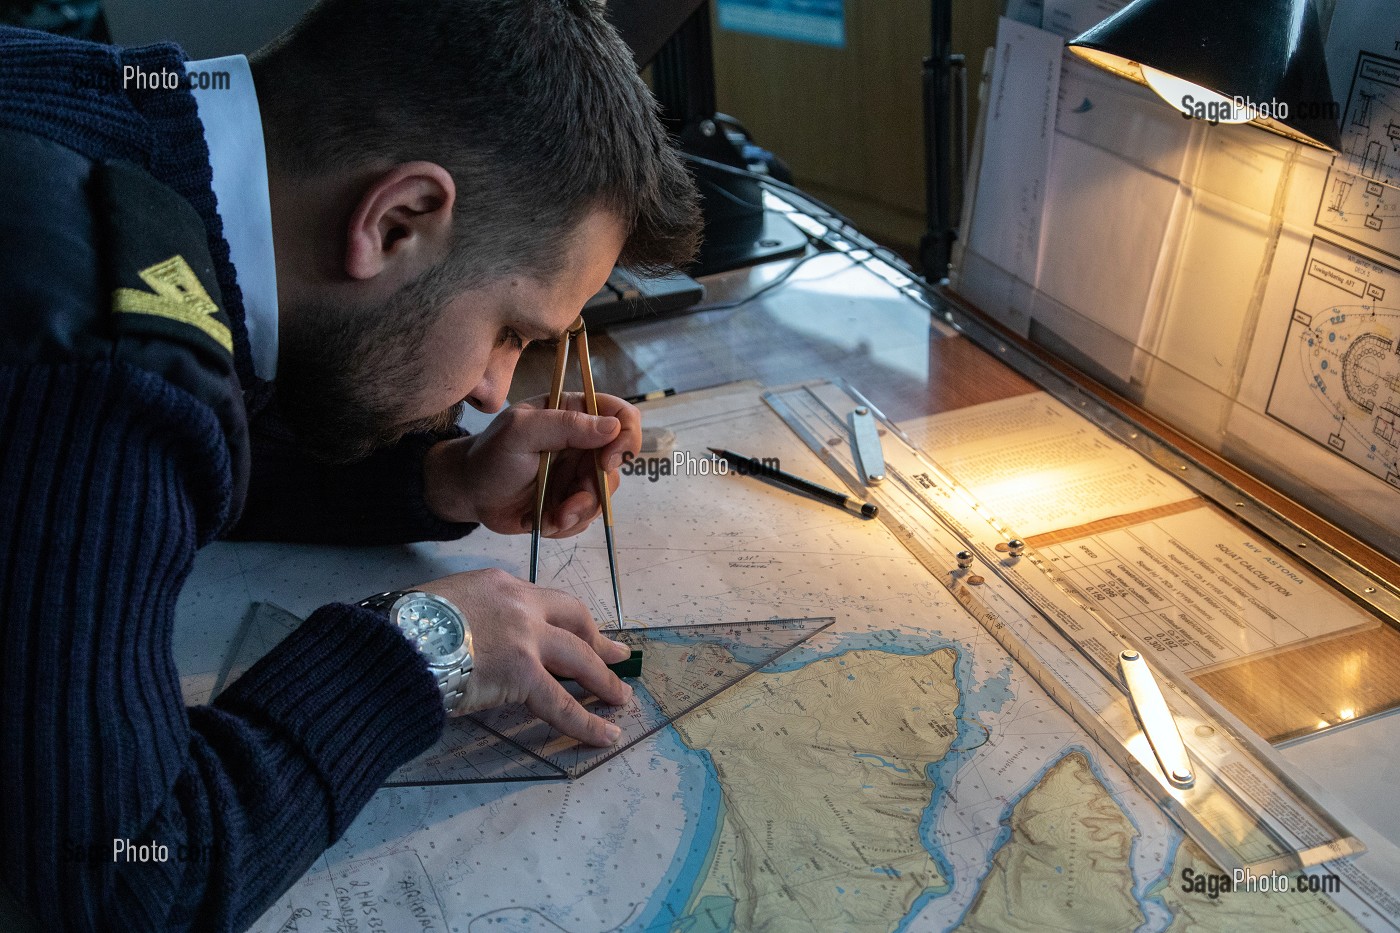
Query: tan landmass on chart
{"x": 1268, "y": 912}
{"x": 1065, "y": 866}
{"x": 822, "y": 771}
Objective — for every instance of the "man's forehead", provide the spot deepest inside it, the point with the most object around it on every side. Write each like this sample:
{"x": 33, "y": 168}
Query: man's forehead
{"x": 542, "y": 307}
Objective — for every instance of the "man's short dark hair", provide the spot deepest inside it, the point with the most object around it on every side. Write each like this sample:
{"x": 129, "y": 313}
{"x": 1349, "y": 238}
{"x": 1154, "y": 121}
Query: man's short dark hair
{"x": 533, "y": 106}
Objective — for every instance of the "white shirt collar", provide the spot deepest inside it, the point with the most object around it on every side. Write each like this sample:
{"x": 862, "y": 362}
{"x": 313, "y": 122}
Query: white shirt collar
{"x": 233, "y": 132}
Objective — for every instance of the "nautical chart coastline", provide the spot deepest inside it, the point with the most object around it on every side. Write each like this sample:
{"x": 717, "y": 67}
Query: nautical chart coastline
{"x": 939, "y": 758}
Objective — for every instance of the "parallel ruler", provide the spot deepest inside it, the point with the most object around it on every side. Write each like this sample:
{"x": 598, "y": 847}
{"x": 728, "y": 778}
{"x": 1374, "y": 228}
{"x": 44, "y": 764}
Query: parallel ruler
{"x": 1244, "y": 809}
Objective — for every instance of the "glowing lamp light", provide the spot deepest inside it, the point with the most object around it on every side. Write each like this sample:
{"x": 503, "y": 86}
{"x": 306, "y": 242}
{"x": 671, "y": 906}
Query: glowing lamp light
{"x": 1191, "y": 98}
{"x": 1256, "y": 61}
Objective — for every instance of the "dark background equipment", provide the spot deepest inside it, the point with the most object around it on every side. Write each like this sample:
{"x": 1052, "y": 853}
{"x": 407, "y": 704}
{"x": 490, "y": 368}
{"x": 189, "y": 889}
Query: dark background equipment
{"x": 945, "y": 141}
{"x": 674, "y": 37}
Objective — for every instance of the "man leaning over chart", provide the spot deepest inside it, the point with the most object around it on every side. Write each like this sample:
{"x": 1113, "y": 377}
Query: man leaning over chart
{"x": 444, "y": 182}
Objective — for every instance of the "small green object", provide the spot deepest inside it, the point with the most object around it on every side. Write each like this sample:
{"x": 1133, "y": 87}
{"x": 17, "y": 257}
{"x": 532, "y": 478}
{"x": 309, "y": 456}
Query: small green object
{"x": 631, "y": 667}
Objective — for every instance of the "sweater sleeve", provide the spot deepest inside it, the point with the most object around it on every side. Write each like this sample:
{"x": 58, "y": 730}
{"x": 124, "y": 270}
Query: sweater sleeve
{"x": 378, "y": 500}
{"x": 123, "y": 809}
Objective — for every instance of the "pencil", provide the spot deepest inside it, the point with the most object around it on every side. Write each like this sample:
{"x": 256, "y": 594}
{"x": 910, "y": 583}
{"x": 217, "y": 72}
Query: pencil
{"x": 649, "y": 396}
{"x": 753, "y": 467}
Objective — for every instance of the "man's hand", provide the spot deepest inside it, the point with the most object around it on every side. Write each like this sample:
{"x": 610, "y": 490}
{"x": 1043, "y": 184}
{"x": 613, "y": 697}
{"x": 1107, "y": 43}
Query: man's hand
{"x": 490, "y": 477}
{"x": 523, "y": 635}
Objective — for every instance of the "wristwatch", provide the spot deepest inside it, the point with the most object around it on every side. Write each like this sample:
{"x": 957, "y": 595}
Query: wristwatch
{"x": 438, "y": 630}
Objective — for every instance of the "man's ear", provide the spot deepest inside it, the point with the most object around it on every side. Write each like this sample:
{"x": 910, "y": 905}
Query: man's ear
{"x": 402, "y": 224}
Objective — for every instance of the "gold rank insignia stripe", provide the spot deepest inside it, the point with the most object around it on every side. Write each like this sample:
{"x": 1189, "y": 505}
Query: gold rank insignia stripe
{"x": 176, "y": 294}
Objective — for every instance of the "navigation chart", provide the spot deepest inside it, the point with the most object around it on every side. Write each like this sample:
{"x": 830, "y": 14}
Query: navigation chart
{"x": 894, "y": 772}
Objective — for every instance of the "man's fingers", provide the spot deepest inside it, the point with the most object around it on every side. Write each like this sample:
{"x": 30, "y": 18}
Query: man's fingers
{"x": 573, "y": 514}
{"x": 573, "y": 530}
{"x": 552, "y": 703}
{"x": 629, "y": 439}
{"x": 565, "y": 611}
{"x": 566, "y": 656}
{"x": 570, "y": 614}
{"x": 554, "y": 430}
{"x": 521, "y": 634}
{"x": 582, "y": 505}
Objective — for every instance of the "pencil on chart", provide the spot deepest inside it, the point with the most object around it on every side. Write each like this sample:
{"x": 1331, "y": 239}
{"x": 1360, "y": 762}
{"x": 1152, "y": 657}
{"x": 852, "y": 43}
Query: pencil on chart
{"x": 752, "y": 466}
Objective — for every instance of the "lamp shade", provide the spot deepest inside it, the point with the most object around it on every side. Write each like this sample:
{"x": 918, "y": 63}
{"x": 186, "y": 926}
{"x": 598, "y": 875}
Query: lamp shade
{"x": 1260, "y": 60}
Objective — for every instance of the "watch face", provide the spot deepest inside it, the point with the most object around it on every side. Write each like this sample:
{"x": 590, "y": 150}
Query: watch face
{"x": 434, "y": 625}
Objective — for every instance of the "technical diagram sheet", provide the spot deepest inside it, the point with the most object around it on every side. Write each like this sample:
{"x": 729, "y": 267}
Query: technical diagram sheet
{"x": 1040, "y": 467}
{"x": 1362, "y": 198}
{"x": 1323, "y": 360}
{"x": 1127, "y": 536}
{"x": 1338, "y": 377}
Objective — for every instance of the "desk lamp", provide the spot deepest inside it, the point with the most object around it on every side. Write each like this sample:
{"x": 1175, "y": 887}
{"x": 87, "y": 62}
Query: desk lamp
{"x": 1257, "y": 61}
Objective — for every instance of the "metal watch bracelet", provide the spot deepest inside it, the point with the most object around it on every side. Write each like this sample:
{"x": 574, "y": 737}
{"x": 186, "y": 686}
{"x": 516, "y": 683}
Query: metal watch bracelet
{"x": 451, "y": 681}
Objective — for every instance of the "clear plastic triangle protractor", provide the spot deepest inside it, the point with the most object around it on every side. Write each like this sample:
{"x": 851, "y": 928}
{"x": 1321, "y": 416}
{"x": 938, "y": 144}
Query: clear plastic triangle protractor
{"x": 682, "y": 667}
{"x": 263, "y": 627}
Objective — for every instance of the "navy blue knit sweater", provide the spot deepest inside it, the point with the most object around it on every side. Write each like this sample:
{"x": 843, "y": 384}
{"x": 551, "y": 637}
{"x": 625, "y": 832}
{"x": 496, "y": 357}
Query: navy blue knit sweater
{"x": 110, "y": 479}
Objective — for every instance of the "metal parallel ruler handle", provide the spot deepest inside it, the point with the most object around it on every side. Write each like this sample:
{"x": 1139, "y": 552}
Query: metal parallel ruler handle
{"x": 1158, "y": 723}
{"x": 1201, "y": 824}
{"x": 865, "y": 438}
{"x": 1242, "y": 809}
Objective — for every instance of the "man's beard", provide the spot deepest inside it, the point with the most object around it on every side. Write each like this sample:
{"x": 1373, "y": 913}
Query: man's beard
{"x": 344, "y": 376}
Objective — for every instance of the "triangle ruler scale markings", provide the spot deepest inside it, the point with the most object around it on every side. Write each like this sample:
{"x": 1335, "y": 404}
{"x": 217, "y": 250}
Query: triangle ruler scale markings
{"x": 683, "y": 666}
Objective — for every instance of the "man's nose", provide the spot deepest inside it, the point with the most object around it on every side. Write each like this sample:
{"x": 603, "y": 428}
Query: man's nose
{"x": 489, "y": 396}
